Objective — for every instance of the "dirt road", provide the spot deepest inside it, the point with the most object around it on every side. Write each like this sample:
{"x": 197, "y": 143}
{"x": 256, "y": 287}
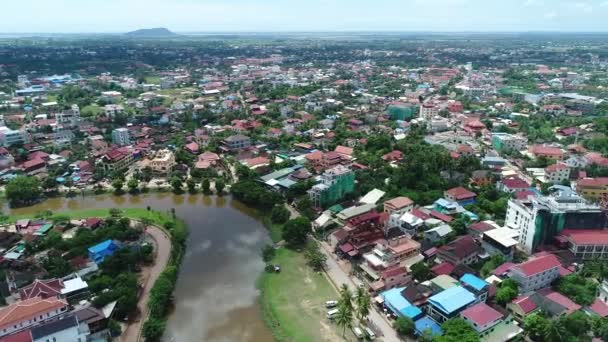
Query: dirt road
{"x": 150, "y": 274}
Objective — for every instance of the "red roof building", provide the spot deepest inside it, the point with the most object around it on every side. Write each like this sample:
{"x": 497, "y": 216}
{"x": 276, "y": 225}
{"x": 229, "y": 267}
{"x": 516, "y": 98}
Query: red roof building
{"x": 547, "y": 151}
{"x": 42, "y": 288}
{"x": 24, "y": 314}
{"x": 459, "y": 195}
{"x": 482, "y": 317}
{"x": 463, "y": 250}
{"x": 536, "y": 273}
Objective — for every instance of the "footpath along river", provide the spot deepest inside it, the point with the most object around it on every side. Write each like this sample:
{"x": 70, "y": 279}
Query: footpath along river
{"x": 215, "y": 296}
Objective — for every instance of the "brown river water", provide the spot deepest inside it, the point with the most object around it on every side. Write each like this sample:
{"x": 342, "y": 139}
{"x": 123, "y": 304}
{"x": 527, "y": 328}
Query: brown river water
{"x": 215, "y": 296}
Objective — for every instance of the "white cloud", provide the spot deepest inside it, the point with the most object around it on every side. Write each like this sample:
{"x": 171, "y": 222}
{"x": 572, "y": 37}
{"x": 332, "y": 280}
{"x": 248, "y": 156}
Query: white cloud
{"x": 531, "y": 3}
{"x": 583, "y": 6}
{"x": 550, "y": 15}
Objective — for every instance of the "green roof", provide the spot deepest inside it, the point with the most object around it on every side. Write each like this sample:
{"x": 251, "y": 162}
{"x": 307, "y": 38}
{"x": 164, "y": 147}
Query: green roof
{"x": 336, "y": 208}
{"x": 44, "y": 229}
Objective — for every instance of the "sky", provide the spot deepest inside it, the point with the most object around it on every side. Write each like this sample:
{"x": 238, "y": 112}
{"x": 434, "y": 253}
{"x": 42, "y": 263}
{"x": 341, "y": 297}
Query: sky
{"x": 88, "y": 16}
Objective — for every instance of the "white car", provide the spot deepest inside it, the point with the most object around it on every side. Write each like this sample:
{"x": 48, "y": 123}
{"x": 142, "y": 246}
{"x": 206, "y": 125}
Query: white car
{"x": 331, "y": 304}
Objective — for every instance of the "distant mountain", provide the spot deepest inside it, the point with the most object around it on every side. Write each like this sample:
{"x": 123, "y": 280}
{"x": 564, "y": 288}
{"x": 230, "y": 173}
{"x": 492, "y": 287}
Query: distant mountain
{"x": 151, "y": 33}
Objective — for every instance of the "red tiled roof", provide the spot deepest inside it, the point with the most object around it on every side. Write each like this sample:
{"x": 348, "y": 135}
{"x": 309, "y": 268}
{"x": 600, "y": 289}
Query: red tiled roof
{"x": 29, "y": 308}
{"x": 502, "y": 269}
{"x": 346, "y": 248}
{"x": 399, "y": 202}
{"x": 515, "y": 183}
{"x": 344, "y": 150}
{"x": 560, "y": 299}
{"x": 599, "y": 308}
{"x": 526, "y": 304}
{"x": 460, "y": 193}
{"x": 587, "y": 237}
{"x": 538, "y": 264}
{"x": 556, "y": 167}
{"x": 395, "y": 271}
{"x": 442, "y": 217}
{"x": 593, "y": 182}
{"x": 421, "y": 215}
{"x": 461, "y": 247}
{"x": 22, "y": 336}
{"x": 481, "y": 314}
{"x": 546, "y": 150}
{"x": 41, "y": 288}
{"x": 443, "y": 268}
{"x": 481, "y": 227}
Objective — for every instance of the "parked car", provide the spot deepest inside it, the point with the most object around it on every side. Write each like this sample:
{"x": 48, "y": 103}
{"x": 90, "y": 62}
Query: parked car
{"x": 332, "y": 313}
{"x": 331, "y": 304}
{"x": 370, "y": 334}
{"x": 358, "y": 333}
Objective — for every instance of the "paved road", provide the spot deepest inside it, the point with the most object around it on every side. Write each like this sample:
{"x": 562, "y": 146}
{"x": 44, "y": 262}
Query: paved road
{"x": 339, "y": 277}
{"x": 150, "y": 273}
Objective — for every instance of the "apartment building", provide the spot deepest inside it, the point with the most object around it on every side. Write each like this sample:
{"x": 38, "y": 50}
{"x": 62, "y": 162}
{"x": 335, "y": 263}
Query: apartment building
{"x": 536, "y": 273}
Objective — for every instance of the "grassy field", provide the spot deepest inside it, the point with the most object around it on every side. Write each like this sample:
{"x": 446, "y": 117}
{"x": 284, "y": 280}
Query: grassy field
{"x": 293, "y": 301}
{"x": 92, "y": 110}
{"x": 152, "y": 79}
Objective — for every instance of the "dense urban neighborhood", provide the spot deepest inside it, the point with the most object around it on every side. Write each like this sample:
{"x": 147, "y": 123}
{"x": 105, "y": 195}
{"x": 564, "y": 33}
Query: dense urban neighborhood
{"x": 432, "y": 188}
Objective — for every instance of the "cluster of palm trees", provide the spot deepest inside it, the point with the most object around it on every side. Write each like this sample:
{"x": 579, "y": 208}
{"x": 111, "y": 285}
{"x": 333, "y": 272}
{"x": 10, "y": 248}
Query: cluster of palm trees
{"x": 352, "y": 306}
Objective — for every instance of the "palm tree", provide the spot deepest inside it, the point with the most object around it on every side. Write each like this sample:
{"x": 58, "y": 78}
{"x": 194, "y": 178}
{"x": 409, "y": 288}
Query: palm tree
{"x": 344, "y": 318}
{"x": 346, "y": 297}
{"x": 363, "y": 300}
{"x": 555, "y": 331}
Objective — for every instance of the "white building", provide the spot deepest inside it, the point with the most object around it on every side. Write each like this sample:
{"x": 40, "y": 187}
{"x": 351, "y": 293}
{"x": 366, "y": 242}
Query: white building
{"x": 9, "y": 137}
{"x": 120, "y": 136}
{"x": 557, "y": 173}
{"x": 536, "y": 273}
{"x": 539, "y": 220}
{"x": 429, "y": 110}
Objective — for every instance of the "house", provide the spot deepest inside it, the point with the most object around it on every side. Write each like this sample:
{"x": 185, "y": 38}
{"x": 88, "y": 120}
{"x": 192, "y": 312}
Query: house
{"x": 501, "y": 241}
{"x": 24, "y": 314}
{"x": 536, "y": 273}
{"x": 512, "y": 184}
{"x": 116, "y": 160}
{"x": 476, "y": 286}
{"x": 449, "y": 303}
{"x": 557, "y": 173}
{"x": 521, "y": 307}
{"x": 161, "y": 163}
{"x": 437, "y": 233}
{"x": 398, "y": 205}
{"x": 463, "y": 250}
{"x": 586, "y": 245}
{"x": 545, "y": 151}
{"x": 192, "y": 148}
{"x": 102, "y": 250}
{"x": 33, "y": 167}
{"x": 393, "y": 156}
{"x": 48, "y": 288}
{"x": 460, "y": 195}
{"x": 481, "y": 178}
{"x": 554, "y": 303}
{"x": 207, "y": 160}
{"x": 344, "y": 152}
{"x": 482, "y": 317}
{"x": 66, "y": 328}
{"x": 443, "y": 282}
{"x": 236, "y": 142}
{"x": 398, "y": 305}
{"x": 592, "y": 188}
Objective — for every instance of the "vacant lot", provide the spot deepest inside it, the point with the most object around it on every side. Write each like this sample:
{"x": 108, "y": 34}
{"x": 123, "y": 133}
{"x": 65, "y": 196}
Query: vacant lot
{"x": 293, "y": 301}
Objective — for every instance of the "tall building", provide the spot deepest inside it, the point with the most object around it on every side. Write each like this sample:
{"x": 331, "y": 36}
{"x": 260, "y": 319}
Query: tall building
{"x": 542, "y": 218}
{"x": 429, "y": 110}
{"x": 120, "y": 136}
{"x": 506, "y": 141}
{"x": 335, "y": 184}
{"x": 9, "y": 137}
{"x": 69, "y": 117}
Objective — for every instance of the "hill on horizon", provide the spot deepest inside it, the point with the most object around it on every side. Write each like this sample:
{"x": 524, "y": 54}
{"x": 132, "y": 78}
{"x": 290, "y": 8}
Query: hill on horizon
{"x": 151, "y": 32}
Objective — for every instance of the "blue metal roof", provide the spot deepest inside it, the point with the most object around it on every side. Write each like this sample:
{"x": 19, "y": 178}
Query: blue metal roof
{"x": 452, "y": 299}
{"x": 427, "y": 323}
{"x": 473, "y": 281}
{"x": 399, "y": 305}
{"x": 101, "y": 246}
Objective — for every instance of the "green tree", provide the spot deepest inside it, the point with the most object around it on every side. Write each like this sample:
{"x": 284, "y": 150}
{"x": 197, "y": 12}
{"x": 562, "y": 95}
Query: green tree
{"x": 344, "y": 318}
{"x": 420, "y": 271}
{"x": 364, "y": 302}
{"x": 490, "y": 265}
{"x": 577, "y": 323}
{"x": 535, "y": 326}
{"x": 117, "y": 184}
{"x": 578, "y": 288}
{"x": 279, "y": 214}
{"x": 206, "y": 185}
{"x": 314, "y": 257}
{"x": 507, "y": 291}
{"x": 133, "y": 185}
{"x": 404, "y": 326}
{"x": 176, "y": 184}
{"x": 555, "y": 331}
{"x": 268, "y": 253}
{"x": 219, "y": 186}
{"x": 154, "y": 329}
{"x": 191, "y": 184}
{"x": 457, "y": 330}
{"x": 295, "y": 231}
{"x": 23, "y": 190}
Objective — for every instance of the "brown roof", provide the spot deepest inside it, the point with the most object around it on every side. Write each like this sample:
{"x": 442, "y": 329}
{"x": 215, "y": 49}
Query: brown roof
{"x": 461, "y": 248}
{"x": 42, "y": 288}
{"x": 29, "y": 308}
{"x": 399, "y": 202}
